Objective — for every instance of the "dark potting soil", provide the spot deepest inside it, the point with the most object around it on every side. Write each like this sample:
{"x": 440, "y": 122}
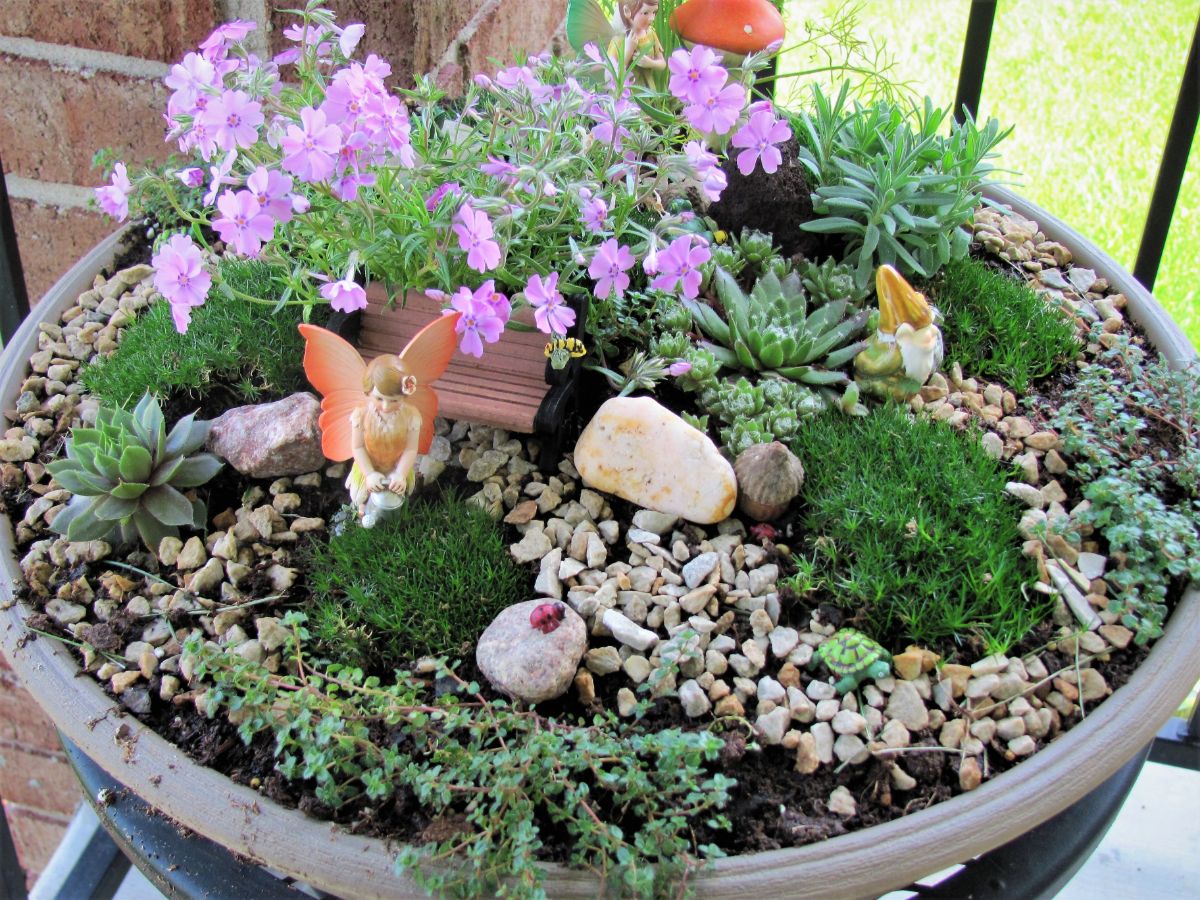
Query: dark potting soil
{"x": 776, "y": 204}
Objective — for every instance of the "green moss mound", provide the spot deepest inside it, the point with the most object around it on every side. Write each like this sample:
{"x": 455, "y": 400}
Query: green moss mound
{"x": 426, "y": 582}
{"x": 234, "y": 351}
{"x": 998, "y": 327}
{"x": 909, "y": 529}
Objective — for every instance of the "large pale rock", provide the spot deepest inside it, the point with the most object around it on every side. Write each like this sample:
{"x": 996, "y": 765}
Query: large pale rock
{"x": 641, "y": 451}
{"x": 523, "y": 662}
{"x": 267, "y": 440}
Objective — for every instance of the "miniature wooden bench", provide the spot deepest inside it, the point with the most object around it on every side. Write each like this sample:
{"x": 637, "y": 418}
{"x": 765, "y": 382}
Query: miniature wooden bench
{"x": 512, "y": 386}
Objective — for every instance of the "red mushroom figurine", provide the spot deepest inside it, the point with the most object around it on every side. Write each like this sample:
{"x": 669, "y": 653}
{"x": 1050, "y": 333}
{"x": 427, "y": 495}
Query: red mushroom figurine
{"x": 734, "y": 26}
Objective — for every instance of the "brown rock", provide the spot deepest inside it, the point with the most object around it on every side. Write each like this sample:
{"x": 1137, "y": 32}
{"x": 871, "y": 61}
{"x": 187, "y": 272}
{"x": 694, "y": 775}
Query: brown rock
{"x": 969, "y": 774}
{"x": 267, "y": 440}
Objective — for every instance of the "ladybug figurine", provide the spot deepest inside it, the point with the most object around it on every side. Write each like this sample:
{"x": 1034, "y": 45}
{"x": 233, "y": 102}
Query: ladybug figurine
{"x": 546, "y": 617}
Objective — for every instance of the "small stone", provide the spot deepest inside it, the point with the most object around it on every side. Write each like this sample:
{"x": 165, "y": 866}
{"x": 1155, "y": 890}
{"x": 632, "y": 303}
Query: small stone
{"x": 894, "y": 734}
{"x": 633, "y": 447}
{"x": 820, "y": 690}
{"x": 699, "y": 569}
{"x": 907, "y": 707}
{"x": 272, "y": 634}
{"x": 596, "y": 553}
{"x": 993, "y": 445}
{"x": 585, "y": 686}
{"x": 653, "y": 521}
{"x": 729, "y": 706}
{"x": 1026, "y": 493}
{"x": 901, "y": 780}
{"x": 952, "y": 733}
{"x": 1117, "y": 635}
{"x": 1043, "y": 440}
{"x": 168, "y": 550}
{"x": 847, "y": 722}
{"x": 807, "y": 760}
{"x": 771, "y": 727}
{"x": 122, "y": 681}
{"x": 637, "y": 668}
{"x": 192, "y": 555}
{"x": 548, "y": 583}
{"x": 970, "y": 776}
{"x": 849, "y": 748}
{"x": 1091, "y": 565}
{"x": 771, "y": 690}
{"x": 693, "y": 699}
{"x": 783, "y": 641}
{"x": 1022, "y": 746}
{"x": 65, "y": 613}
{"x": 627, "y": 631}
{"x": 603, "y": 660}
{"x": 626, "y": 702}
{"x": 841, "y": 803}
{"x": 534, "y": 545}
{"x": 526, "y": 663}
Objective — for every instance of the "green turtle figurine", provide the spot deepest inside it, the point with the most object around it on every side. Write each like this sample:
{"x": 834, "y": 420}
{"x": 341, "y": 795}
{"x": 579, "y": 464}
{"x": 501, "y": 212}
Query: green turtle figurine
{"x": 853, "y": 657}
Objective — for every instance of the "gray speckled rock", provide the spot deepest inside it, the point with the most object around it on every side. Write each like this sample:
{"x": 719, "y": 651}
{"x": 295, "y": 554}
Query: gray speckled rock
{"x": 522, "y": 662}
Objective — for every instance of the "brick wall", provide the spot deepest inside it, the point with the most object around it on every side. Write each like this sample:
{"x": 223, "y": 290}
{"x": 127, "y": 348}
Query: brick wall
{"x": 77, "y": 75}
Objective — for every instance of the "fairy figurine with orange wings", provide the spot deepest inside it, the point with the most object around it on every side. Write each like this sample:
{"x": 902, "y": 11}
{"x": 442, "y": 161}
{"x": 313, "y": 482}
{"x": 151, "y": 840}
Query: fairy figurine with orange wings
{"x": 380, "y": 414}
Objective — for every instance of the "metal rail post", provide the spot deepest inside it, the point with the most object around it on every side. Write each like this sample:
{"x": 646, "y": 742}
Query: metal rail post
{"x": 1170, "y": 172}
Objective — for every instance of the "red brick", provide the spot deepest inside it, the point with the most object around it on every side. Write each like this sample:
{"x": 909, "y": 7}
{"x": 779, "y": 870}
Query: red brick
{"x": 36, "y": 835}
{"x": 21, "y": 720}
{"x": 51, "y": 240}
{"x": 162, "y": 30}
{"x": 37, "y": 779}
{"x": 53, "y": 120}
{"x": 391, "y": 30}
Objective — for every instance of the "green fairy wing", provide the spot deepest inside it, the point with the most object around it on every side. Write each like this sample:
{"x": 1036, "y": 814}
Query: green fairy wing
{"x": 586, "y": 22}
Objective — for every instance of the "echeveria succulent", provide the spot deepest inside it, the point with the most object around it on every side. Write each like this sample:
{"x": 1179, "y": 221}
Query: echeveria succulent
{"x": 127, "y": 474}
{"x": 770, "y": 329}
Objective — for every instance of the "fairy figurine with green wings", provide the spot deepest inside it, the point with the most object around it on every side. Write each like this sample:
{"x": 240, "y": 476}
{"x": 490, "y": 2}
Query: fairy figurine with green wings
{"x": 378, "y": 414}
{"x": 630, "y": 37}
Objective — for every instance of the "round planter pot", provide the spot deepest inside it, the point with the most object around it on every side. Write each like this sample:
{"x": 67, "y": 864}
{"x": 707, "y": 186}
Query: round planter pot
{"x": 860, "y": 864}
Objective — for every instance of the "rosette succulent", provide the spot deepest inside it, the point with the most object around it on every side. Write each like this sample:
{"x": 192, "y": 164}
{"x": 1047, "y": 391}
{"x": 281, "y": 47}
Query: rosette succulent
{"x": 770, "y": 329}
{"x": 127, "y": 474}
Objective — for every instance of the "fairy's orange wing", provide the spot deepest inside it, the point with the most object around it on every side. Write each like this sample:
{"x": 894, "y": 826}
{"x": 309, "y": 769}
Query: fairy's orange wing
{"x": 426, "y": 356}
{"x": 429, "y": 351}
{"x": 335, "y": 369}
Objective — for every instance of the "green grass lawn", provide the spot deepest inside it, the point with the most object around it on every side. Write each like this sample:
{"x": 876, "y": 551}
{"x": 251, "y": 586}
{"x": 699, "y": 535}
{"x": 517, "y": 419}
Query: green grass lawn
{"x": 1090, "y": 86}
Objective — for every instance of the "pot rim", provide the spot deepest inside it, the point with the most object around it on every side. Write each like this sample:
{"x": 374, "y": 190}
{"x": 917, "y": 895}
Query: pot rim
{"x": 865, "y": 862}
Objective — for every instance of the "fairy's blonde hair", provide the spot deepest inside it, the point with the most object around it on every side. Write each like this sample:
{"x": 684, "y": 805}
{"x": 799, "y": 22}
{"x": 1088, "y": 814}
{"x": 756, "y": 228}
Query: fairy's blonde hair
{"x": 389, "y": 375}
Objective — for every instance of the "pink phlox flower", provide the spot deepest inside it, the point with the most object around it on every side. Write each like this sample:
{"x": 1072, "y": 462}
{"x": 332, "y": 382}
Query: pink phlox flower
{"x": 593, "y": 214}
{"x": 678, "y": 266}
{"x": 193, "y": 176}
{"x": 300, "y": 204}
{"x": 233, "y": 119}
{"x": 607, "y": 114}
{"x": 377, "y": 67}
{"x": 474, "y": 230}
{"x": 516, "y": 77}
{"x": 679, "y": 367}
{"x": 478, "y": 322}
{"x": 448, "y": 187}
{"x": 345, "y": 186}
{"x": 346, "y": 96}
{"x": 696, "y": 73}
{"x": 498, "y": 302}
{"x": 710, "y": 175}
{"x": 311, "y": 147}
{"x": 216, "y": 45}
{"x": 189, "y": 80}
{"x": 114, "y": 196}
{"x": 498, "y": 168}
{"x": 551, "y": 313}
{"x": 286, "y": 57}
{"x": 758, "y": 138}
{"x": 608, "y": 268}
{"x": 272, "y": 190}
{"x": 385, "y": 122}
{"x": 349, "y": 37}
{"x": 244, "y": 225}
{"x": 180, "y": 277}
{"x": 219, "y": 175}
{"x": 345, "y": 296}
{"x": 716, "y": 111}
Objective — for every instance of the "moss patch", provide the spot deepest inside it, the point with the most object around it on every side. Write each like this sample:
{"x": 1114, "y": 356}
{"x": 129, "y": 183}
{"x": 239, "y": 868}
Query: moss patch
{"x": 424, "y": 583}
{"x": 997, "y": 327}
{"x": 910, "y": 529}
{"x": 234, "y": 351}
